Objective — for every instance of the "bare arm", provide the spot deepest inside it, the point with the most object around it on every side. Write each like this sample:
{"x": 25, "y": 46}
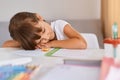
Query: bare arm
{"x": 75, "y": 41}
{"x": 11, "y": 43}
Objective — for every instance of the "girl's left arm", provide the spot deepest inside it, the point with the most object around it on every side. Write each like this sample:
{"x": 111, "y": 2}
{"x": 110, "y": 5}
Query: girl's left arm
{"x": 11, "y": 43}
{"x": 74, "y": 41}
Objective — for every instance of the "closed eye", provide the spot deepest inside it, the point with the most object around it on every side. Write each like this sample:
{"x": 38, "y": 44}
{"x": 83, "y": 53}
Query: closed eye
{"x": 38, "y": 41}
{"x": 43, "y": 30}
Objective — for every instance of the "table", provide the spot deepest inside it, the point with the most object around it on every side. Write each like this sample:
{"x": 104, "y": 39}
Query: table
{"x": 49, "y": 62}
{"x": 8, "y": 54}
{"x": 91, "y": 57}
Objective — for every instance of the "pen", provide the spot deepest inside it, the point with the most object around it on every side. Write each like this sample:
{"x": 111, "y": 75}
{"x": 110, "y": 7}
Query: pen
{"x": 115, "y": 36}
{"x": 115, "y": 31}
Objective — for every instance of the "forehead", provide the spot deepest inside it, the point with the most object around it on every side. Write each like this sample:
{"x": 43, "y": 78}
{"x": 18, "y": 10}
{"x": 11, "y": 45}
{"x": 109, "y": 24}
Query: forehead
{"x": 39, "y": 17}
{"x": 39, "y": 25}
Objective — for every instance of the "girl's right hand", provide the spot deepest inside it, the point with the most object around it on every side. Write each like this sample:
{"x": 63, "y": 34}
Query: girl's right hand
{"x": 40, "y": 46}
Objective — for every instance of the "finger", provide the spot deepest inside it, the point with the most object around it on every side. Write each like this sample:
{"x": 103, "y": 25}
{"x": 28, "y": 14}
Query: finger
{"x": 38, "y": 46}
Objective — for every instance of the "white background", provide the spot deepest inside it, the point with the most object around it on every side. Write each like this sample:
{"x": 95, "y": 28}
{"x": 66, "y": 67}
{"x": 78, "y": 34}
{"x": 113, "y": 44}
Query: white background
{"x": 52, "y": 9}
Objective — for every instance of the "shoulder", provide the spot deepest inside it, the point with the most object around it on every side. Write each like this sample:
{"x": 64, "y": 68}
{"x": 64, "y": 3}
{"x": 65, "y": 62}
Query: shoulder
{"x": 60, "y": 22}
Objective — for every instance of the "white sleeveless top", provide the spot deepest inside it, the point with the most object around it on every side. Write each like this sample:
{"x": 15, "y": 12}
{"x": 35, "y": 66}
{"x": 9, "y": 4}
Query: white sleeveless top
{"x": 58, "y": 28}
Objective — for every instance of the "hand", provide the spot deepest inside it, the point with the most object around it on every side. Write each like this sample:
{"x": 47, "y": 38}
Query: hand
{"x": 45, "y": 45}
{"x": 40, "y": 46}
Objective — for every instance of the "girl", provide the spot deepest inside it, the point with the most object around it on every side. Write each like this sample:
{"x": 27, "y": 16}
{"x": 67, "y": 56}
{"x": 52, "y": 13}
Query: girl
{"x": 31, "y": 31}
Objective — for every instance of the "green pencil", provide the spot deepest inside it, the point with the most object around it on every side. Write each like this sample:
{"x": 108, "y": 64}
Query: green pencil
{"x": 52, "y": 52}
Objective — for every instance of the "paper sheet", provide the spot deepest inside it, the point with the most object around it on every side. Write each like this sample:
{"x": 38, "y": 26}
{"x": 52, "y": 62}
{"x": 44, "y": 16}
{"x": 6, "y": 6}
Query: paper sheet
{"x": 81, "y": 54}
{"x": 95, "y": 54}
{"x": 114, "y": 73}
{"x": 17, "y": 61}
{"x": 70, "y": 72}
{"x": 36, "y": 52}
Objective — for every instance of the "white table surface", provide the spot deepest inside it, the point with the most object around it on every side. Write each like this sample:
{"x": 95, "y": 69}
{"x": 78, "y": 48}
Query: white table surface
{"x": 88, "y": 54}
{"x": 8, "y": 54}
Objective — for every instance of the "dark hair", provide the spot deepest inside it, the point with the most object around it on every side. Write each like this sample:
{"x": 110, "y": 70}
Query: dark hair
{"x": 22, "y": 29}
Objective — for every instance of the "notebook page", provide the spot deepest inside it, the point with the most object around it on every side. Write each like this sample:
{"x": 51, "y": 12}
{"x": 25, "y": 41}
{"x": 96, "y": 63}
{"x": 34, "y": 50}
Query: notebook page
{"x": 81, "y": 54}
{"x": 69, "y": 72}
{"x": 36, "y": 52}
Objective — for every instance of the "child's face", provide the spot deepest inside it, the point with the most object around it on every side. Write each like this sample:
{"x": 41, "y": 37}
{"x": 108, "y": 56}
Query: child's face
{"x": 46, "y": 34}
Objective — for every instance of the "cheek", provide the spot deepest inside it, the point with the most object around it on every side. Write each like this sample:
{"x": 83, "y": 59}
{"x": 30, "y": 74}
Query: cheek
{"x": 44, "y": 41}
{"x": 49, "y": 33}
{"x": 52, "y": 35}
